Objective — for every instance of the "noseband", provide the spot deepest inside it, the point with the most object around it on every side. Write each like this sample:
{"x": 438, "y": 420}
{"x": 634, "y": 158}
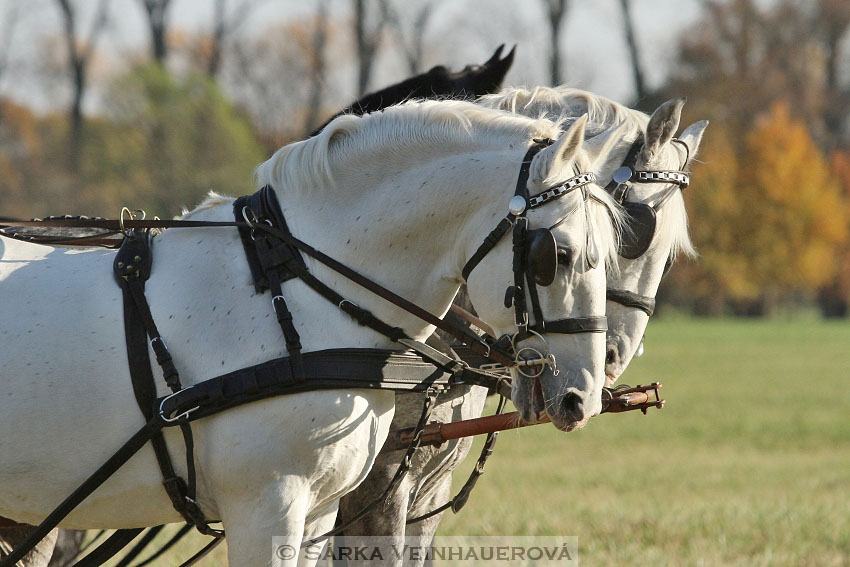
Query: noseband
{"x": 535, "y": 262}
{"x": 642, "y": 217}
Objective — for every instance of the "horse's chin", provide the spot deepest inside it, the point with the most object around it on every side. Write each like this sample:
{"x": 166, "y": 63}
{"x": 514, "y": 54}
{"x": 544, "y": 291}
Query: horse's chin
{"x": 568, "y": 426}
{"x": 611, "y": 379}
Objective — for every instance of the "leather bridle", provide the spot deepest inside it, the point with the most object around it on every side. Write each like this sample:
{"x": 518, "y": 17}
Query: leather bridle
{"x": 642, "y": 216}
{"x": 532, "y": 362}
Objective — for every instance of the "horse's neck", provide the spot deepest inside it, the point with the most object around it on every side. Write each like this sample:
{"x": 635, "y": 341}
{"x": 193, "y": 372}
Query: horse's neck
{"x": 400, "y": 225}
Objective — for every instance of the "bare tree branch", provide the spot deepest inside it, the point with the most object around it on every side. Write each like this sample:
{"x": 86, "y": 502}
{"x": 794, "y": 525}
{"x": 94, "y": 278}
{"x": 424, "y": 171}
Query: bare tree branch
{"x": 318, "y": 65}
{"x": 224, "y": 26}
{"x": 79, "y": 57}
{"x": 367, "y": 43}
{"x": 157, "y": 12}
{"x": 634, "y": 50}
{"x": 413, "y": 50}
{"x": 556, "y": 10}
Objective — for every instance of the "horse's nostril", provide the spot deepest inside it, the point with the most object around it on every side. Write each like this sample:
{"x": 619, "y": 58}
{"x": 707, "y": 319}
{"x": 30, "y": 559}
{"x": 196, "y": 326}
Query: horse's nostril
{"x": 571, "y": 405}
{"x": 611, "y": 356}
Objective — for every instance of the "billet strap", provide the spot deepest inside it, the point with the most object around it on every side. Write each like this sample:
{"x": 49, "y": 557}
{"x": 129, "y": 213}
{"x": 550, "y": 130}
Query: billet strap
{"x": 631, "y": 299}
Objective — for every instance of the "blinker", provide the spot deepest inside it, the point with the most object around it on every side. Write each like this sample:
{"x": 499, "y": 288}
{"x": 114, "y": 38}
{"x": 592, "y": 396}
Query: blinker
{"x": 641, "y": 229}
{"x": 541, "y": 254}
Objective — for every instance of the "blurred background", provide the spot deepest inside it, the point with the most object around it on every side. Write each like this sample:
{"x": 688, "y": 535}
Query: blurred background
{"x": 151, "y": 103}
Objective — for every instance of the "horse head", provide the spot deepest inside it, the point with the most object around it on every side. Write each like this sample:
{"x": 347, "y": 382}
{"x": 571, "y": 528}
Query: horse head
{"x": 649, "y": 186}
{"x": 655, "y": 163}
{"x": 554, "y": 307}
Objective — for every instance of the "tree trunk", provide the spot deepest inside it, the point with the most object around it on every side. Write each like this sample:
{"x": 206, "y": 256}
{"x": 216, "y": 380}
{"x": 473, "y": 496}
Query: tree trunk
{"x": 367, "y": 43}
{"x": 634, "y": 50}
{"x": 556, "y": 10}
{"x": 157, "y": 12}
{"x": 318, "y": 67}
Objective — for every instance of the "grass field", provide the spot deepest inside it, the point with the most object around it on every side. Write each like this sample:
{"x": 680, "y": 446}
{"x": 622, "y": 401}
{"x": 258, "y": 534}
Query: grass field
{"x": 748, "y": 465}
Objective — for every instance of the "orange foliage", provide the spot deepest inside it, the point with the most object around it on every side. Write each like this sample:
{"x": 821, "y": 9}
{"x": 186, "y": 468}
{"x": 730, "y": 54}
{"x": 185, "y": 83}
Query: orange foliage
{"x": 798, "y": 215}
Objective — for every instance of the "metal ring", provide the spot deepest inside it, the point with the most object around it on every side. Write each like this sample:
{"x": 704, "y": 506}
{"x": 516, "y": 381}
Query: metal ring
{"x": 130, "y": 216}
{"x": 245, "y": 216}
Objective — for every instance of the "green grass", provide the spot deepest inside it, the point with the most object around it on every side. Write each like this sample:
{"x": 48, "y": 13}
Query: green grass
{"x": 747, "y": 465}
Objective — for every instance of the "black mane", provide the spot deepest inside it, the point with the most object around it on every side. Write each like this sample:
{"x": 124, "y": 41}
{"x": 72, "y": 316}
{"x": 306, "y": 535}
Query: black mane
{"x": 470, "y": 83}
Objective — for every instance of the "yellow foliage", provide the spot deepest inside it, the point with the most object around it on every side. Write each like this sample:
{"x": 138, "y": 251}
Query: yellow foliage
{"x": 797, "y": 214}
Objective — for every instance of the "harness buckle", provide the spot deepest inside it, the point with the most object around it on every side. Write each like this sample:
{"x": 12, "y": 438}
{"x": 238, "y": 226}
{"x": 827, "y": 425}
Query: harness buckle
{"x": 172, "y": 419}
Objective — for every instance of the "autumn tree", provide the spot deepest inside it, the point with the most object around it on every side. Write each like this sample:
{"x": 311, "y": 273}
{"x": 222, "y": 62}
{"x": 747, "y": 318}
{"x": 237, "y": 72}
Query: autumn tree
{"x": 21, "y": 153}
{"x": 167, "y": 140}
{"x": 834, "y": 297}
{"x": 798, "y": 219}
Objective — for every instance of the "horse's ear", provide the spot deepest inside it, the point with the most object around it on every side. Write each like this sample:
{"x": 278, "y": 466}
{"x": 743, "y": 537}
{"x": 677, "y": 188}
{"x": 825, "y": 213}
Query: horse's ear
{"x": 549, "y": 162}
{"x": 662, "y": 125}
{"x": 692, "y": 136}
{"x": 496, "y": 55}
{"x": 598, "y": 148}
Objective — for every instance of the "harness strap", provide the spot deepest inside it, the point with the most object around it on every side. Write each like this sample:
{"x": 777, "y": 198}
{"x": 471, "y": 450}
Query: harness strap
{"x": 327, "y": 369}
{"x": 181, "y": 533}
{"x": 132, "y": 266}
{"x": 631, "y": 299}
{"x": 124, "y": 453}
{"x": 134, "y": 552}
{"x": 462, "y": 497}
{"x": 596, "y": 324}
{"x": 109, "y": 548}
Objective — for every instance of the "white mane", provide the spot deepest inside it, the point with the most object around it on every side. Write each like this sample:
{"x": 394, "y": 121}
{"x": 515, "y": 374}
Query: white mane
{"x": 565, "y": 105}
{"x": 213, "y": 200}
{"x": 437, "y": 123}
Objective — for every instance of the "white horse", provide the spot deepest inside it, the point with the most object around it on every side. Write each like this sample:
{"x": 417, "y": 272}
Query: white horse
{"x": 429, "y": 483}
{"x": 640, "y": 276}
{"x": 405, "y": 196}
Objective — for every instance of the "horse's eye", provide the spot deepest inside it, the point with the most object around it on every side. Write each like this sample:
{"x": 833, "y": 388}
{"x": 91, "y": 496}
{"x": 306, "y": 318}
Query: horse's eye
{"x": 565, "y": 257}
